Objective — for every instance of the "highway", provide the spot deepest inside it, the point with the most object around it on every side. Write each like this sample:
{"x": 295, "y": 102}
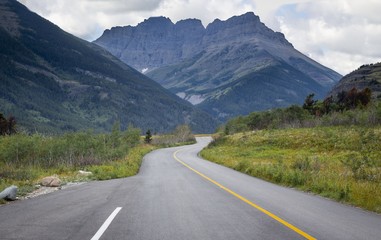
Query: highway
{"x": 177, "y": 195}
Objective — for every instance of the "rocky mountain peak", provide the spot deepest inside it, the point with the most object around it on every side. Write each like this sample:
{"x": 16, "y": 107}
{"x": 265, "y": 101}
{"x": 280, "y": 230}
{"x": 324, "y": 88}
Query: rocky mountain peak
{"x": 156, "y": 22}
{"x": 191, "y": 23}
{"x": 241, "y": 28}
{"x": 248, "y": 17}
{"x": 157, "y": 41}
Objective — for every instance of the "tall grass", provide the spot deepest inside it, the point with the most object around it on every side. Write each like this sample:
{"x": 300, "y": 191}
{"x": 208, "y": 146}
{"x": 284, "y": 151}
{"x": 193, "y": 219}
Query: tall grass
{"x": 69, "y": 150}
{"x": 342, "y": 163}
{"x": 24, "y": 159}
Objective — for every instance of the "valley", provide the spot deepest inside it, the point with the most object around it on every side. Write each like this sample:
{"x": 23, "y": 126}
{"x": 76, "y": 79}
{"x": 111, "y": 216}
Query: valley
{"x": 182, "y": 130}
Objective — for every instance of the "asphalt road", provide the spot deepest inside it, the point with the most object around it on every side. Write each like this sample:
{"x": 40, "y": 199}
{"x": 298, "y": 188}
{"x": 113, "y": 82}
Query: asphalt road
{"x": 177, "y": 195}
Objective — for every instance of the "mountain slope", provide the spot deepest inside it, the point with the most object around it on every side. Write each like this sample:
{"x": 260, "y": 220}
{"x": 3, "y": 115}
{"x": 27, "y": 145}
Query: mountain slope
{"x": 275, "y": 86}
{"x": 367, "y": 76}
{"x": 208, "y": 61}
{"x": 53, "y": 82}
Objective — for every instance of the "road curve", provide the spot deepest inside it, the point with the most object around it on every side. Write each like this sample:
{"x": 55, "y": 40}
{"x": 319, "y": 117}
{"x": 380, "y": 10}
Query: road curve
{"x": 177, "y": 195}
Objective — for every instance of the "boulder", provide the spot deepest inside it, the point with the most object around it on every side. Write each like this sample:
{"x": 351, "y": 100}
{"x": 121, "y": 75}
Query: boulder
{"x": 84, "y": 173}
{"x": 52, "y": 181}
{"x": 9, "y": 193}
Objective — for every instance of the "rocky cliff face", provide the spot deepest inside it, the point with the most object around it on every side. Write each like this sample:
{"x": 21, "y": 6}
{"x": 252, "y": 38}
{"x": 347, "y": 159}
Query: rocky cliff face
{"x": 208, "y": 65}
{"x": 155, "y": 42}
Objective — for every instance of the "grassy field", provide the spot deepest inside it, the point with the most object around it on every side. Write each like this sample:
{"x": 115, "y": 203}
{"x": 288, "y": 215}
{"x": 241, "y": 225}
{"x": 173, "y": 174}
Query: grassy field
{"x": 342, "y": 163}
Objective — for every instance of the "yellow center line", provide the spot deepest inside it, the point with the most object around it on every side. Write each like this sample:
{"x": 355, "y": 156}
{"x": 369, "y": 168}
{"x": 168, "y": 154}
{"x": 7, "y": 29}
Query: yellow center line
{"x": 273, "y": 216}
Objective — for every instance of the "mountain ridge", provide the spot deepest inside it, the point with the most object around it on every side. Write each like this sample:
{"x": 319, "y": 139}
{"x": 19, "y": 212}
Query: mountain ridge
{"x": 186, "y": 29}
{"x": 216, "y": 58}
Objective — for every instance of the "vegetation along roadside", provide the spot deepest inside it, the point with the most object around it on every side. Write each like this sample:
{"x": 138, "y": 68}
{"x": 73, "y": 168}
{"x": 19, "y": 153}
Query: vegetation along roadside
{"x": 26, "y": 159}
{"x": 335, "y": 155}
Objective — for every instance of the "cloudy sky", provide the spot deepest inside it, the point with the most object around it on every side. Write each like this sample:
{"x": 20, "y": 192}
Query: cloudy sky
{"x": 340, "y": 34}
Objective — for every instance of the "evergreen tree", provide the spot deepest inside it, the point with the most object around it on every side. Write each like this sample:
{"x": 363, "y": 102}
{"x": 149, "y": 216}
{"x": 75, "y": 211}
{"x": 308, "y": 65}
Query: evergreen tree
{"x": 148, "y": 138}
{"x": 7, "y": 126}
{"x": 310, "y": 103}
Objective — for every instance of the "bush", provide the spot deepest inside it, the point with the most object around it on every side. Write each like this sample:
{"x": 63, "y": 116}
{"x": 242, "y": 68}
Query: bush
{"x": 131, "y": 136}
{"x": 181, "y": 135}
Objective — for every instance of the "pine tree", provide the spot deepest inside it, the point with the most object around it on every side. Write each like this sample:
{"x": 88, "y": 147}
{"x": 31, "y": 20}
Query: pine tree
{"x": 148, "y": 138}
{"x": 7, "y": 126}
{"x": 310, "y": 103}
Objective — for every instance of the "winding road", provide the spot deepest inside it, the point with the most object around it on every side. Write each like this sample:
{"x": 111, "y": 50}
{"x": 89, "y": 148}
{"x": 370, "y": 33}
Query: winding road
{"x": 178, "y": 196}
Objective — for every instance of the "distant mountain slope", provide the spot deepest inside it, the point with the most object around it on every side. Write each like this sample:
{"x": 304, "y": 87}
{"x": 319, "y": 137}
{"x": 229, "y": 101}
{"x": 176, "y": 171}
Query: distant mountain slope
{"x": 367, "y": 76}
{"x": 206, "y": 65}
{"x": 53, "y": 82}
{"x": 277, "y": 85}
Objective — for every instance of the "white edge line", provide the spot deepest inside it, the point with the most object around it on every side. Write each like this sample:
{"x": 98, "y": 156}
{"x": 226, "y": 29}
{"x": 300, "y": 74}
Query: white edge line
{"x": 106, "y": 224}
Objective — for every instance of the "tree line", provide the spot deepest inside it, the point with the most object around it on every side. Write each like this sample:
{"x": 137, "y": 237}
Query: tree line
{"x": 353, "y": 107}
{"x": 344, "y": 100}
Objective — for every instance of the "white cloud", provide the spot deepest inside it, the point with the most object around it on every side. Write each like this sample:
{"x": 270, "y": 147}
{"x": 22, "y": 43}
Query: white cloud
{"x": 88, "y": 18}
{"x": 341, "y": 34}
{"x": 207, "y": 11}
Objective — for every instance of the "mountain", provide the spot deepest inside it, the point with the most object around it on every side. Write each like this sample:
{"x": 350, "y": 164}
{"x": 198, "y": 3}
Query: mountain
{"x": 229, "y": 68}
{"x": 366, "y": 76}
{"x": 52, "y": 81}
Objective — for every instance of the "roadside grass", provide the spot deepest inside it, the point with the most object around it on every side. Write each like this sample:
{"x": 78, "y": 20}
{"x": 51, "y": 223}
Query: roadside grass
{"x": 27, "y": 178}
{"x": 341, "y": 163}
{"x": 125, "y": 167}
{"x": 26, "y": 159}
